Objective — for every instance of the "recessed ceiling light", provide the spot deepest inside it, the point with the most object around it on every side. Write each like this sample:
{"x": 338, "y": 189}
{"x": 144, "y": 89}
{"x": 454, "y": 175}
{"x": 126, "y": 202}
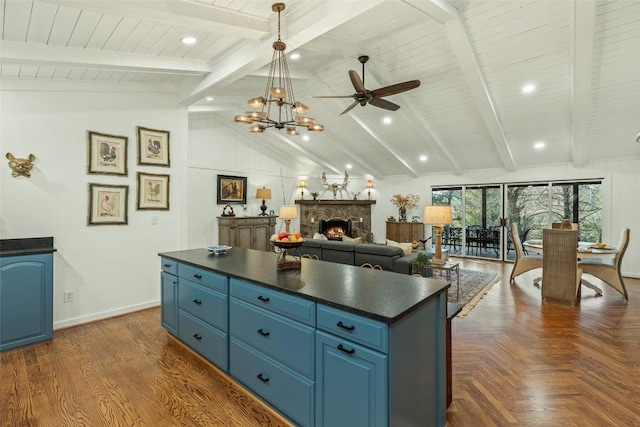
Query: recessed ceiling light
{"x": 188, "y": 40}
{"x": 305, "y": 137}
{"x": 295, "y": 56}
{"x": 349, "y": 166}
{"x": 528, "y": 88}
{"x": 423, "y": 158}
{"x": 539, "y": 145}
{"x": 386, "y": 120}
{"x": 209, "y": 98}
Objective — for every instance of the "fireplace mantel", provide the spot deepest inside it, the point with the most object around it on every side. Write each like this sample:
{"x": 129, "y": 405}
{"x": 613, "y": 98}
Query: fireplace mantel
{"x": 313, "y": 211}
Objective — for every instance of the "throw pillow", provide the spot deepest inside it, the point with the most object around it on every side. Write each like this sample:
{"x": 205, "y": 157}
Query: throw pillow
{"x": 406, "y": 247}
{"x": 320, "y": 236}
{"x": 357, "y": 240}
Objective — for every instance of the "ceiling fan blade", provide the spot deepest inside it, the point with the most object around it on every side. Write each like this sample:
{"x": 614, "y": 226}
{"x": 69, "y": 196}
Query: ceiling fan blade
{"x": 383, "y": 103}
{"x": 349, "y": 107}
{"x": 396, "y": 88}
{"x": 333, "y": 96}
{"x": 356, "y": 82}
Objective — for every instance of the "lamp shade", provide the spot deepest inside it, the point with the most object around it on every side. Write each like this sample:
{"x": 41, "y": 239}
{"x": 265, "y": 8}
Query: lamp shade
{"x": 288, "y": 212}
{"x": 369, "y": 184}
{"x": 437, "y": 215}
{"x": 263, "y": 193}
{"x": 303, "y": 184}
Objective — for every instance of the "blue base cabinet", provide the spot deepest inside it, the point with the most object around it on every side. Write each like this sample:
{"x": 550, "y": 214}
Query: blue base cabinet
{"x": 169, "y": 296}
{"x": 26, "y": 300}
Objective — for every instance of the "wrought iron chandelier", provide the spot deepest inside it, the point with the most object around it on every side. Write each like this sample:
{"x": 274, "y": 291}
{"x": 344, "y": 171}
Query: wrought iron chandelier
{"x": 278, "y": 107}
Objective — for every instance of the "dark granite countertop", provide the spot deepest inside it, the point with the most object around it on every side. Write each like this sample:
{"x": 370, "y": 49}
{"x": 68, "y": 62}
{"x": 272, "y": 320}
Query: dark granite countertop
{"x": 380, "y": 295}
{"x": 26, "y": 246}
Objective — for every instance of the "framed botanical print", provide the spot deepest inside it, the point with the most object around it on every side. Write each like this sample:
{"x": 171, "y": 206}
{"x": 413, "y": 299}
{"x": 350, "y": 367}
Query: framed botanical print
{"x": 232, "y": 189}
{"x": 153, "y": 147}
{"x": 107, "y": 154}
{"x": 153, "y": 191}
{"x": 108, "y": 204}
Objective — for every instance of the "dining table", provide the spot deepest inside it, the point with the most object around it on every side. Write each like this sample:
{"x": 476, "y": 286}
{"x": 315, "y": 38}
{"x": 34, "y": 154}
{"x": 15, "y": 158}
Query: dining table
{"x": 586, "y": 250}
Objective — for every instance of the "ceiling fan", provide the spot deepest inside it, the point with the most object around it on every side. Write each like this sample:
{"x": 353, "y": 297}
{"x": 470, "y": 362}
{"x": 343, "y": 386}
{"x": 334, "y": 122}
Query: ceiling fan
{"x": 373, "y": 97}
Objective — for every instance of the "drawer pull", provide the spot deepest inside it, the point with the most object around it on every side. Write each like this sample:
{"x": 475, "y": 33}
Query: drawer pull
{"x": 350, "y": 351}
{"x": 166, "y": 265}
{"x": 263, "y": 299}
{"x": 198, "y": 337}
{"x": 263, "y": 333}
{"x": 343, "y": 326}
{"x": 263, "y": 379}
{"x": 197, "y": 276}
{"x": 197, "y": 302}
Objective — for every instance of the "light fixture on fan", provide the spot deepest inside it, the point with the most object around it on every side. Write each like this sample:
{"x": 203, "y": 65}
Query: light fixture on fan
{"x": 287, "y": 113}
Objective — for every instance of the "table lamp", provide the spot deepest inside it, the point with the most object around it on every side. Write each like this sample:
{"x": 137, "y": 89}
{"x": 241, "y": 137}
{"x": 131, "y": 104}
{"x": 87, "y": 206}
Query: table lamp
{"x": 287, "y": 213}
{"x": 303, "y": 185}
{"x": 437, "y": 216}
{"x": 369, "y": 187}
{"x": 264, "y": 194}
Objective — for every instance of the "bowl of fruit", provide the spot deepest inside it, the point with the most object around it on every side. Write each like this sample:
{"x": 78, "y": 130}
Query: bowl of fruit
{"x": 286, "y": 240}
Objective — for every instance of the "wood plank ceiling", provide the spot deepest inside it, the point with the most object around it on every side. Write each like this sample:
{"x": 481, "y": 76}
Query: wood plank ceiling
{"x": 473, "y": 57}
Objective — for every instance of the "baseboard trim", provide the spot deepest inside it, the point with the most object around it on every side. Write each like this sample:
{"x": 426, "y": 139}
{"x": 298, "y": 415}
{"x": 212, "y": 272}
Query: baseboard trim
{"x": 104, "y": 315}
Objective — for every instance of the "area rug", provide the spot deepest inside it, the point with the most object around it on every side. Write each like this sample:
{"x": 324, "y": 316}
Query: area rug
{"x": 473, "y": 287}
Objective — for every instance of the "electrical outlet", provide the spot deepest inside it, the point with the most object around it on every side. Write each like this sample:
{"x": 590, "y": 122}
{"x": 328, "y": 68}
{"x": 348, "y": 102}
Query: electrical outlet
{"x": 68, "y": 296}
{"x": 154, "y": 220}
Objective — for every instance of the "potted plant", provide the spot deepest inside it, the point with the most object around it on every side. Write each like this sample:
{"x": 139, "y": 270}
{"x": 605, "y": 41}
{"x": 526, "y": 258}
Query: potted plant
{"x": 422, "y": 261}
{"x": 403, "y": 203}
{"x": 314, "y": 195}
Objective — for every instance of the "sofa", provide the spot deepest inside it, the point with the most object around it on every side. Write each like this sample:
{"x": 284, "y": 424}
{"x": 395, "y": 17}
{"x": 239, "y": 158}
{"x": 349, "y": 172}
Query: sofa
{"x": 390, "y": 258}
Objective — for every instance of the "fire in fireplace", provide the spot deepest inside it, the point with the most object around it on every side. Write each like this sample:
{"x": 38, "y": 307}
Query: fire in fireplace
{"x": 335, "y": 228}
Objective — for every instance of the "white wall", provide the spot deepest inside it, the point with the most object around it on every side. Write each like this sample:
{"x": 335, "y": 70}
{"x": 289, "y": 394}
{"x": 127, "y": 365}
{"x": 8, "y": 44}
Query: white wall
{"x": 111, "y": 269}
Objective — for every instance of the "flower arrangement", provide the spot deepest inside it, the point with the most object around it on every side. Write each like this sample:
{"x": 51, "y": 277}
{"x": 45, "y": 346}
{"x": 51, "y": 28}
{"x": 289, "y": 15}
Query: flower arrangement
{"x": 409, "y": 201}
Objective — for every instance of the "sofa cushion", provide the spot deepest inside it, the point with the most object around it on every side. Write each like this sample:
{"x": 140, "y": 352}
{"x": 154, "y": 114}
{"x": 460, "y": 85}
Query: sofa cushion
{"x": 372, "y": 248}
{"x": 406, "y": 247}
{"x": 337, "y": 251}
{"x": 357, "y": 240}
{"x": 311, "y": 247}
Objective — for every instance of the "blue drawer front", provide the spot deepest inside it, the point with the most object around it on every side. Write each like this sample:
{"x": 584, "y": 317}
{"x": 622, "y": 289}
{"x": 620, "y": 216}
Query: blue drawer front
{"x": 169, "y": 266}
{"x": 291, "y": 343}
{"x": 208, "y": 305}
{"x": 352, "y": 384}
{"x": 289, "y": 392}
{"x": 356, "y": 328}
{"x": 295, "y": 308}
{"x": 206, "y": 278}
{"x": 204, "y": 339}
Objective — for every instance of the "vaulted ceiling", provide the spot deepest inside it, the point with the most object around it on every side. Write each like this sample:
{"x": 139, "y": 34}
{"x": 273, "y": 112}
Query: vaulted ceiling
{"x": 472, "y": 57}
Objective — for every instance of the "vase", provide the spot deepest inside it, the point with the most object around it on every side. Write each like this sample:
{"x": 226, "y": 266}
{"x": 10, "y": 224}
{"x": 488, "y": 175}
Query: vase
{"x": 403, "y": 214}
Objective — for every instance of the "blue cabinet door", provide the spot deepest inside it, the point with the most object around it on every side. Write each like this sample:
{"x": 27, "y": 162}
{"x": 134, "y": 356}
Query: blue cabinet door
{"x": 351, "y": 384}
{"x": 169, "y": 303}
{"x": 26, "y": 300}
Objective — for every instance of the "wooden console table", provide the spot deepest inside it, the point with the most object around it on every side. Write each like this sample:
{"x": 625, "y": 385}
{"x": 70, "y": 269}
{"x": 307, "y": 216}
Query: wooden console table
{"x": 249, "y": 232}
{"x": 405, "y": 231}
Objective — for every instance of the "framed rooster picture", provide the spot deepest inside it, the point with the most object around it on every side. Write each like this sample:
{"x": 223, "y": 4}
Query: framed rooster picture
{"x": 107, "y": 154}
{"x": 153, "y": 147}
{"x": 108, "y": 204}
{"x": 153, "y": 192}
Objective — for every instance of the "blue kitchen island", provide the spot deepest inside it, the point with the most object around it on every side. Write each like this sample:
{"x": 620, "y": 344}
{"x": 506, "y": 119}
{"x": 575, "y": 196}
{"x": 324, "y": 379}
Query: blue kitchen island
{"x": 326, "y": 345}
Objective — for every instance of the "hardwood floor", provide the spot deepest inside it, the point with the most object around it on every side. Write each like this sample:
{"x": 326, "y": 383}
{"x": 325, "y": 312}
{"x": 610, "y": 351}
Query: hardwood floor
{"x": 517, "y": 361}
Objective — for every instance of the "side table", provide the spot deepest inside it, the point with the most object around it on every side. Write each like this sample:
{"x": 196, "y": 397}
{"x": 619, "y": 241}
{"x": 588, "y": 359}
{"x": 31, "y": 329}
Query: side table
{"x": 448, "y": 268}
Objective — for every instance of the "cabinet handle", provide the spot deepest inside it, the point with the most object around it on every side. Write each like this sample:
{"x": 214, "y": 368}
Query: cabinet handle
{"x": 197, "y": 302}
{"x": 263, "y": 333}
{"x": 343, "y": 326}
{"x": 263, "y": 299}
{"x": 350, "y": 351}
{"x": 166, "y": 265}
{"x": 198, "y": 337}
{"x": 263, "y": 379}
{"x": 175, "y": 283}
{"x": 197, "y": 276}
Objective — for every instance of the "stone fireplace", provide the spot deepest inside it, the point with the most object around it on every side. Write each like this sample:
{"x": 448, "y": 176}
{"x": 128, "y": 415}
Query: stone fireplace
{"x": 317, "y": 216}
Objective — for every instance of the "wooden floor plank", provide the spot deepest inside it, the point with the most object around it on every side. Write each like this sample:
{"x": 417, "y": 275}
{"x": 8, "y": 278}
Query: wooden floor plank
{"x": 517, "y": 361}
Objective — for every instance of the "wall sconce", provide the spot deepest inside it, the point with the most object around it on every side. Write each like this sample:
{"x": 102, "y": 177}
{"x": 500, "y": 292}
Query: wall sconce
{"x": 287, "y": 213}
{"x": 437, "y": 216}
{"x": 369, "y": 187}
{"x": 303, "y": 185}
{"x": 264, "y": 194}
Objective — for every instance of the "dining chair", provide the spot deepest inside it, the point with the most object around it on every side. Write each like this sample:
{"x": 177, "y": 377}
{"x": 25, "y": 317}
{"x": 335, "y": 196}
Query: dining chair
{"x": 609, "y": 273}
{"x": 560, "y": 272}
{"x": 371, "y": 266}
{"x": 523, "y": 262}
